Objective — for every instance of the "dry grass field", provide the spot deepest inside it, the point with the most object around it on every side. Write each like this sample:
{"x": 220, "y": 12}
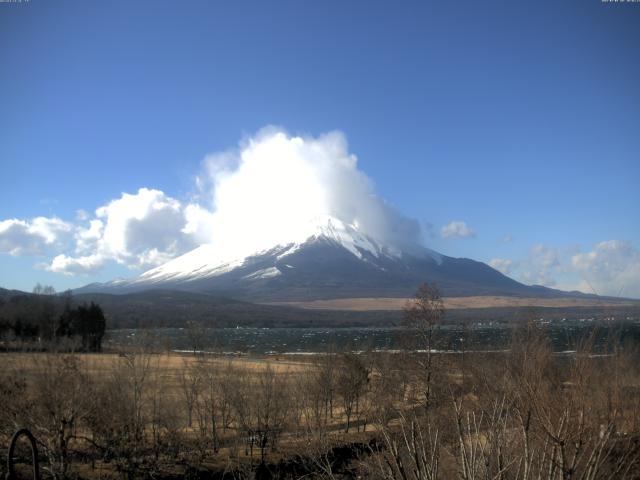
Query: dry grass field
{"x": 146, "y": 414}
{"x": 451, "y": 303}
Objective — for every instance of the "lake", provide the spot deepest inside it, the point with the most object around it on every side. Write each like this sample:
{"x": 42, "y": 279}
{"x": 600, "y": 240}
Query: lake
{"x": 449, "y": 338}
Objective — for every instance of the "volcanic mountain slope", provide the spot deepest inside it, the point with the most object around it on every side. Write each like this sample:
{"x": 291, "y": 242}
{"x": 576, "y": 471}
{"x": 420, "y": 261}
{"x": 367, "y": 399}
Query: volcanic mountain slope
{"x": 330, "y": 259}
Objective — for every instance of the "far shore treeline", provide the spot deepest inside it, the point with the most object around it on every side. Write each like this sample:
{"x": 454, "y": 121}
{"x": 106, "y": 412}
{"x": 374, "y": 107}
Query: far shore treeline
{"x": 46, "y": 320}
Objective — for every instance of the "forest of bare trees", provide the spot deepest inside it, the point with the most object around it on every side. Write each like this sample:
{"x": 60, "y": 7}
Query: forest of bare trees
{"x": 524, "y": 413}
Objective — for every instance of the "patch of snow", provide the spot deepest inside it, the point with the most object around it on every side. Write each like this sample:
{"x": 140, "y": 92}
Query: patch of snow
{"x": 263, "y": 273}
{"x": 198, "y": 263}
{"x": 294, "y": 247}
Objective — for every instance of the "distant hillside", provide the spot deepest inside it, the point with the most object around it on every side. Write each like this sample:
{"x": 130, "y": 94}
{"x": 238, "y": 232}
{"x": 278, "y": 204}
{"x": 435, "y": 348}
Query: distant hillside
{"x": 158, "y": 308}
{"x": 6, "y": 294}
{"x": 162, "y": 308}
{"x": 167, "y": 308}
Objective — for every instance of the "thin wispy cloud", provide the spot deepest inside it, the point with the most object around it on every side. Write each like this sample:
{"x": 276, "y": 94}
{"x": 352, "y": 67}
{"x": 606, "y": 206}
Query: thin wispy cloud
{"x": 457, "y": 229}
{"x": 503, "y": 265}
{"x": 610, "y": 268}
{"x": 541, "y": 265}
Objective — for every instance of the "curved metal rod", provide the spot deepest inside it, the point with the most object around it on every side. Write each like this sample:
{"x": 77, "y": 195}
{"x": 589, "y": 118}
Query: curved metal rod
{"x": 11, "y": 475}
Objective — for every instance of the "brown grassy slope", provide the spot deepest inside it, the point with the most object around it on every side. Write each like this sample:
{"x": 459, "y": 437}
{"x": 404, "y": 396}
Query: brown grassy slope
{"x": 383, "y": 303}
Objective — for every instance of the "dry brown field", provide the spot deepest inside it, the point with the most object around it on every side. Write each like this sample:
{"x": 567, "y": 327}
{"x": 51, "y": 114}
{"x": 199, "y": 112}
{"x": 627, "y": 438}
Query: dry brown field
{"x": 148, "y": 414}
{"x": 451, "y": 303}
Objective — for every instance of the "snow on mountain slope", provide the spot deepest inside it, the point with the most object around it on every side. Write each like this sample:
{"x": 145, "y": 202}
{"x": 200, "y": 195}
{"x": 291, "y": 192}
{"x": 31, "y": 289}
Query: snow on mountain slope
{"x": 206, "y": 262}
{"x": 326, "y": 258}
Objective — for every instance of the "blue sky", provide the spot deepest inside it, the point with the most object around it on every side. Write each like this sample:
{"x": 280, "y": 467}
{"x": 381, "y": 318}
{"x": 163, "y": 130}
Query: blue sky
{"x": 519, "y": 120}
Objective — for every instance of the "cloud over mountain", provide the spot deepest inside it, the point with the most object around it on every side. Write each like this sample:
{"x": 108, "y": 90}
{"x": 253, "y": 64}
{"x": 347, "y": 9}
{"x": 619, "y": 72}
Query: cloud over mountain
{"x": 264, "y": 192}
{"x": 249, "y": 198}
{"x": 502, "y": 265}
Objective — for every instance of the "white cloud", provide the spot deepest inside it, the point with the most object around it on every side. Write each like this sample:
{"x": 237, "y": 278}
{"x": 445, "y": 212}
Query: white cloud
{"x": 32, "y": 237}
{"x": 139, "y": 230}
{"x": 87, "y": 238}
{"x": 503, "y": 265}
{"x": 541, "y": 266}
{"x": 269, "y": 189}
{"x": 507, "y": 239}
{"x": 544, "y": 256}
{"x": 262, "y": 193}
{"x": 611, "y": 268}
{"x": 135, "y": 224}
{"x": 457, "y": 229}
{"x": 199, "y": 223}
{"x": 74, "y": 265}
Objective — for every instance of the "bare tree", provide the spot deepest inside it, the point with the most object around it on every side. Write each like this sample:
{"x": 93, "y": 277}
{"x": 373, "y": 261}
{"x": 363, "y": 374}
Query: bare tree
{"x": 119, "y": 425}
{"x": 410, "y": 452}
{"x": 262, "y": 407}
{"x": 196, "y": 335}
{"x": 352, "y": 380}
{"x": 422, "y": 317}
{"x": 61, "y": 398}
{"x": 190, "y": 381}
{"x": 319, "y": 387}
{"x": 387, "y": 387}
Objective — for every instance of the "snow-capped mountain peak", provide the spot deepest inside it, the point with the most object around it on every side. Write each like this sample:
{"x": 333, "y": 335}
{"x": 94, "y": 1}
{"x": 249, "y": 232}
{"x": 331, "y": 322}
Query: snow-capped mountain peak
{"x": 206, "y": 261}
{"x": 349, "y": 236}
{"x": 323, "y": 257}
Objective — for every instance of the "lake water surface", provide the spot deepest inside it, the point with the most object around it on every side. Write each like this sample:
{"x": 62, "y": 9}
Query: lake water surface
{"x": 450, "y": 338}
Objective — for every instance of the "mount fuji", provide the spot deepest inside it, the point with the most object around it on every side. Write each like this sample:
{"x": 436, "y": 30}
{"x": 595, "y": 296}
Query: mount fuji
{"x": 326, "y": 259}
